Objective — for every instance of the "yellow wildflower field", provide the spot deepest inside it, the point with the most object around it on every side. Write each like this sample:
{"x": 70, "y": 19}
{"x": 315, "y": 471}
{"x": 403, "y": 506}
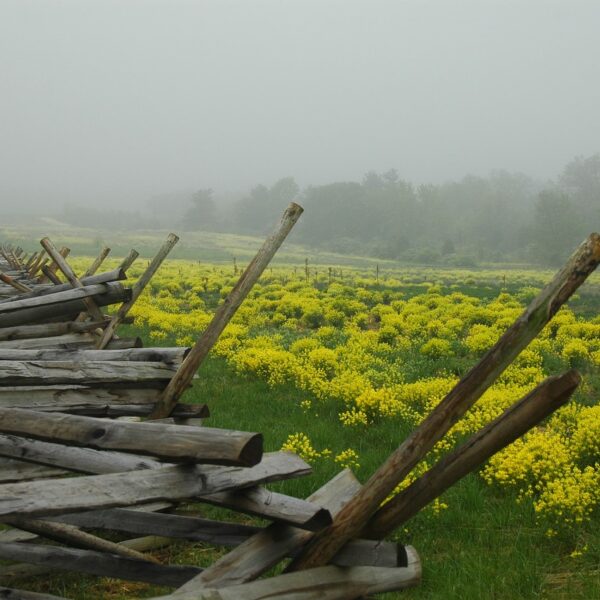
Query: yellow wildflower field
{"x": 389, "y": 347}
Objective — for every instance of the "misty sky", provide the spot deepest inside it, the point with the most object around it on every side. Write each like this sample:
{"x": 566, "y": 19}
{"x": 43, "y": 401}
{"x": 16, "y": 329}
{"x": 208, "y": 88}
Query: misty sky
{"x": 116, "y": 101}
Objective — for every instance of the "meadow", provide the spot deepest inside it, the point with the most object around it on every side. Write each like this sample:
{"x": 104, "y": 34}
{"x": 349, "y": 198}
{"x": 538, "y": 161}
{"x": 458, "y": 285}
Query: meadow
{"x": 338, "y": 364}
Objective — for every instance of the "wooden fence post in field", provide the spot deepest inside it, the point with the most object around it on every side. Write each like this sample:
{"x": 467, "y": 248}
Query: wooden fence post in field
{"x": 138, "y": 288}
{"x": 14, "y": 283}
{"x": 63, "y": 265}
{"x": 129, "y": 260}
{"x": 97, "y": 262}
{"x": 224, "y": 313}
{"x": 35, "y": 265}
{"x": 63, "y": 253}
{"x": 467, "y": 391}
{"x": 541, "y": 402}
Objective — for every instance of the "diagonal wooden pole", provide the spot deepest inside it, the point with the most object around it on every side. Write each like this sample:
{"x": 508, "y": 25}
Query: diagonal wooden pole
{"x": 224, "y": 313}
{"x": 97, "y": 262}
{"x": 138, "y": 288}
{"x": 129, "y": 259}
{"x": 467, "y": 391}
{"x": 528, "y": 412}
{"x": 63, "y": 253}
{"x": 64, "y": 266}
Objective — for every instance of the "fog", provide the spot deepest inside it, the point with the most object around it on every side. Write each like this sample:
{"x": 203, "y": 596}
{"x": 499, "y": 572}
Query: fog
{"x": 114, "y": 102}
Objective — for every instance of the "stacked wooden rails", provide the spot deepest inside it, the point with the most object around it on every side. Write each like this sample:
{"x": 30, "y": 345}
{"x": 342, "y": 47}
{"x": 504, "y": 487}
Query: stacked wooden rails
{"x": 62, "y": 405}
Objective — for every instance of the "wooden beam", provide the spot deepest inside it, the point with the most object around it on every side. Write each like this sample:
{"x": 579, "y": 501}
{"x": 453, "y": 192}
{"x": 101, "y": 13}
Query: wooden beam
{"x": 468, "y": 390}
{"x": 62, "y": 310}
{"x": 71, "y": 535}
{"x": 97, "y": 563}
{"x": 330, "y": 583}
{"x": 70, "y": 341}
{"x": 51, "y": 497}
{"x": 225, "y": 312}
{"x": 52, "y": 372}
{"x": 175, "y": 443}
{"x": 167, "y": 356}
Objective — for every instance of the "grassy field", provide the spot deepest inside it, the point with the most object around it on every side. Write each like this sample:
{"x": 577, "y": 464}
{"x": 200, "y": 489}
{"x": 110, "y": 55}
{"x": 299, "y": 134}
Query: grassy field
{"x": 485, "y": 544}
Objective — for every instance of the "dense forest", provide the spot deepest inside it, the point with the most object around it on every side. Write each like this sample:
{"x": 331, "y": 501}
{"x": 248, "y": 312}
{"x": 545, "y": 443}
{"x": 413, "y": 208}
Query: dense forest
{"x": 502, "y": 217}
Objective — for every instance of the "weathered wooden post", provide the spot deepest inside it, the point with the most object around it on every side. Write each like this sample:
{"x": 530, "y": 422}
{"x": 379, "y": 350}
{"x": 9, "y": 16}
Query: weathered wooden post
{"x": 63, "y": 253}
{"x": 97, "y": 262}
{"x": 61, "y": 263}
{"x": 225, "y": 312}
{"x": 129, "y": 260}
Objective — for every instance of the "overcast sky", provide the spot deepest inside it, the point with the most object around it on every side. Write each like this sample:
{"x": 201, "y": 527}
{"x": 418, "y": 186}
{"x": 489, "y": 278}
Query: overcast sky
{"x": 110, "y": 101}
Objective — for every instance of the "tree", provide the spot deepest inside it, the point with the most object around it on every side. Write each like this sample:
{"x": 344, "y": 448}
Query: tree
{"x": 556, "y": 228}
{"x": 203, "y": 212}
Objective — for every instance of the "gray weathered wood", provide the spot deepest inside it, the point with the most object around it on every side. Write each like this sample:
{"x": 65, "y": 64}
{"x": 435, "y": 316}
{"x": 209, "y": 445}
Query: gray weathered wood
{"x": 219, "y": 533}
{"x": 14, "y": 470}
{"x": 322, "y": 583}
{"x": 225, "y": 312}
{"x": 83, "y": 460}
{"x": 274, "y": 506}
{"x": 47, "y": 329}
{"x": 97, "y": 563}
{"x": 71, "y": 341}
{"x": 57, "y": 496}
{"x": 167, "y": 356}
{"x": 467, "y": 391}
{"x": 36, "y": 314}
{"x": 51, "y": 372}
{"x": 171, "y": 442}
{"x": 43, "y": 290}
{"x": 266, "y": 548}
{"x": 138, "y": 288}
{"x": 55, "y": 298}
{"x": 71, "y": 535}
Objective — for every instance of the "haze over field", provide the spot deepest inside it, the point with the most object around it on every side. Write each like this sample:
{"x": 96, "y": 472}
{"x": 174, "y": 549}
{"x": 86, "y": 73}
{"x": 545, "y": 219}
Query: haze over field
{"x": 136, "y": 105}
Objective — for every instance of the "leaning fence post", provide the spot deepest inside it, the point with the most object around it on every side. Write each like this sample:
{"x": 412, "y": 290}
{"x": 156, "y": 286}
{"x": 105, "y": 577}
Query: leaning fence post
{"x": 63, "y": 253}
{"x": 129, "y": 259}
{"x": 517, "y": 420}
{"x": 97, "y": 262}
{"x": 467, "y": 391}
{"x": 138, "y": 288}
{"x": 224, "y": 313}
{"x": 63, "y": 265}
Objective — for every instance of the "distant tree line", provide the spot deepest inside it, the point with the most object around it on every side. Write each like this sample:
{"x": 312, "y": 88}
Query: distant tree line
{"x": 502, "y": 217}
